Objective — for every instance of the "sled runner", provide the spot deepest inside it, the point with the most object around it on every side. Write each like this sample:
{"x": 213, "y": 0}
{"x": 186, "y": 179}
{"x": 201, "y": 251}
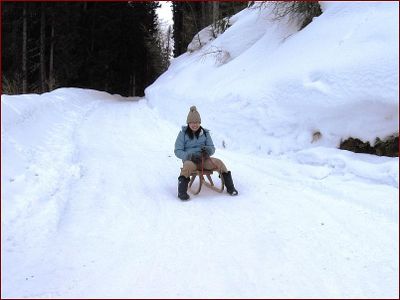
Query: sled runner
{"x": 209, "y": 182}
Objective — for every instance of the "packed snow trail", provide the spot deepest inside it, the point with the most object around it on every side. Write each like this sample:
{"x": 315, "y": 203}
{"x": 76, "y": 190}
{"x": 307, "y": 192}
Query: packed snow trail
{"x": 93, "y": 213}
{"x": 89, "y": 180}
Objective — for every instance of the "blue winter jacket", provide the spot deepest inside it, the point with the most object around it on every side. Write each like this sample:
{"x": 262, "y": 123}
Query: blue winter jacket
{"x": 184, "y": 146}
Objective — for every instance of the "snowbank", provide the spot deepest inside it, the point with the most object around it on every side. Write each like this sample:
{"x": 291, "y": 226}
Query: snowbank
{"x": 338, "y": 76}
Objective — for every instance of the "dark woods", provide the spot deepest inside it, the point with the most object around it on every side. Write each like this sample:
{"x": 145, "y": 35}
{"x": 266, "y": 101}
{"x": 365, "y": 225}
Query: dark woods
{"x": 110, "y": 46}
{"x": 190, "y": 17}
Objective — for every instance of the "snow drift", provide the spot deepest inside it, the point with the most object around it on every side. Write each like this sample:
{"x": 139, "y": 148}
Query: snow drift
{"x": 338, "y": 76}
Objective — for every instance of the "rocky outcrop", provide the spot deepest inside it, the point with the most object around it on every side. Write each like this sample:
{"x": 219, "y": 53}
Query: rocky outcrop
{"x": 387, "y": 147}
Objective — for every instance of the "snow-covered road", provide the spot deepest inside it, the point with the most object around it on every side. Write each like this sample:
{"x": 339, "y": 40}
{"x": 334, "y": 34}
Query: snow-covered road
{"x": 89, "y": 209}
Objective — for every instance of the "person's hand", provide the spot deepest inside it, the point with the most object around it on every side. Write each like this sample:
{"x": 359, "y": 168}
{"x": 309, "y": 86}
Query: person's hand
{"x": 195, "y": 157}
{"x": 204, "y": 152}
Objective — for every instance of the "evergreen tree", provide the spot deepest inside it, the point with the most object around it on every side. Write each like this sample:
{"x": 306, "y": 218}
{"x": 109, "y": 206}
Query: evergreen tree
{"x": 191, "y": 17}
{"x": 110, "y": 46}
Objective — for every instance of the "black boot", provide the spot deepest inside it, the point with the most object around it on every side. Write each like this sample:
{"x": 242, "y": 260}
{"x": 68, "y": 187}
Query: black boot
{"x": 182, "y": 188}
{"x": 230, "y": 188}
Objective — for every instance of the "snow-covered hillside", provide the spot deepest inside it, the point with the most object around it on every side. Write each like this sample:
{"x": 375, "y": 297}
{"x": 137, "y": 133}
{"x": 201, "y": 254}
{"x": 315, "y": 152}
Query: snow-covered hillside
{"x": 338, "y": 76}
{"x": 89, "y": 180}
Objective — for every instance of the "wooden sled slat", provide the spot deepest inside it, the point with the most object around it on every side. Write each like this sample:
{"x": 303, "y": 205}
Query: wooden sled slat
{"x": 209, "y": 182}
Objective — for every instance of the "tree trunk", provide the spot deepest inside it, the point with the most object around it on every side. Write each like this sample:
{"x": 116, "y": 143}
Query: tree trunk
{"x": 24, "y": 49}
{"x": 203, "y": 14}
{"x": 51, "y": 59}
{"x": 169, "y": 37}
{"x": 43, "y": 47}
{"x": 215, "y": 12}
{"x": 93, "y": 28}
{"x": 133, "y": 84}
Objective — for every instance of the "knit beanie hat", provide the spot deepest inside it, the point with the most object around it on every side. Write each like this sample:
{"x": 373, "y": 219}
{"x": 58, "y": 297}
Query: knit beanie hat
{"x": 193, "y": 116}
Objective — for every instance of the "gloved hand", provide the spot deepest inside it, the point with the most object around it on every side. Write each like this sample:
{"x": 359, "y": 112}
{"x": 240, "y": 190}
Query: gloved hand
{"x": 204, "y": 152}
{"x": 195, "y": 157}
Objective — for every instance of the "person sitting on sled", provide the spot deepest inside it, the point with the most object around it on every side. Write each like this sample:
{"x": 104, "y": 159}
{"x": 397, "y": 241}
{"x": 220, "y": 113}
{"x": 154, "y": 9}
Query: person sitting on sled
{"x": 195, "y": 147}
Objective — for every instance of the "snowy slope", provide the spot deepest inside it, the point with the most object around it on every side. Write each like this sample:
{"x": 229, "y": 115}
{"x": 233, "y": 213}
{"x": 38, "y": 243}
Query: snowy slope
{"x": 89, "y": 182}
{"x": 338, "y": 76}
{"x": 91, "y": 211}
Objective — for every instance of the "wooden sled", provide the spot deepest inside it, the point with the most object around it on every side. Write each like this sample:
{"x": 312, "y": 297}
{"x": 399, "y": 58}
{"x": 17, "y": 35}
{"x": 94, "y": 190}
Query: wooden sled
{"x": 208, "y": 183}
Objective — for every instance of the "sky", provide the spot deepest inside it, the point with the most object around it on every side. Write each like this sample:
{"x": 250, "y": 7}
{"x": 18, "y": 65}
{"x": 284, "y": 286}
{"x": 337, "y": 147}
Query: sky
{"x": 89, "y": 179}
{"x": 165, "y": 12}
